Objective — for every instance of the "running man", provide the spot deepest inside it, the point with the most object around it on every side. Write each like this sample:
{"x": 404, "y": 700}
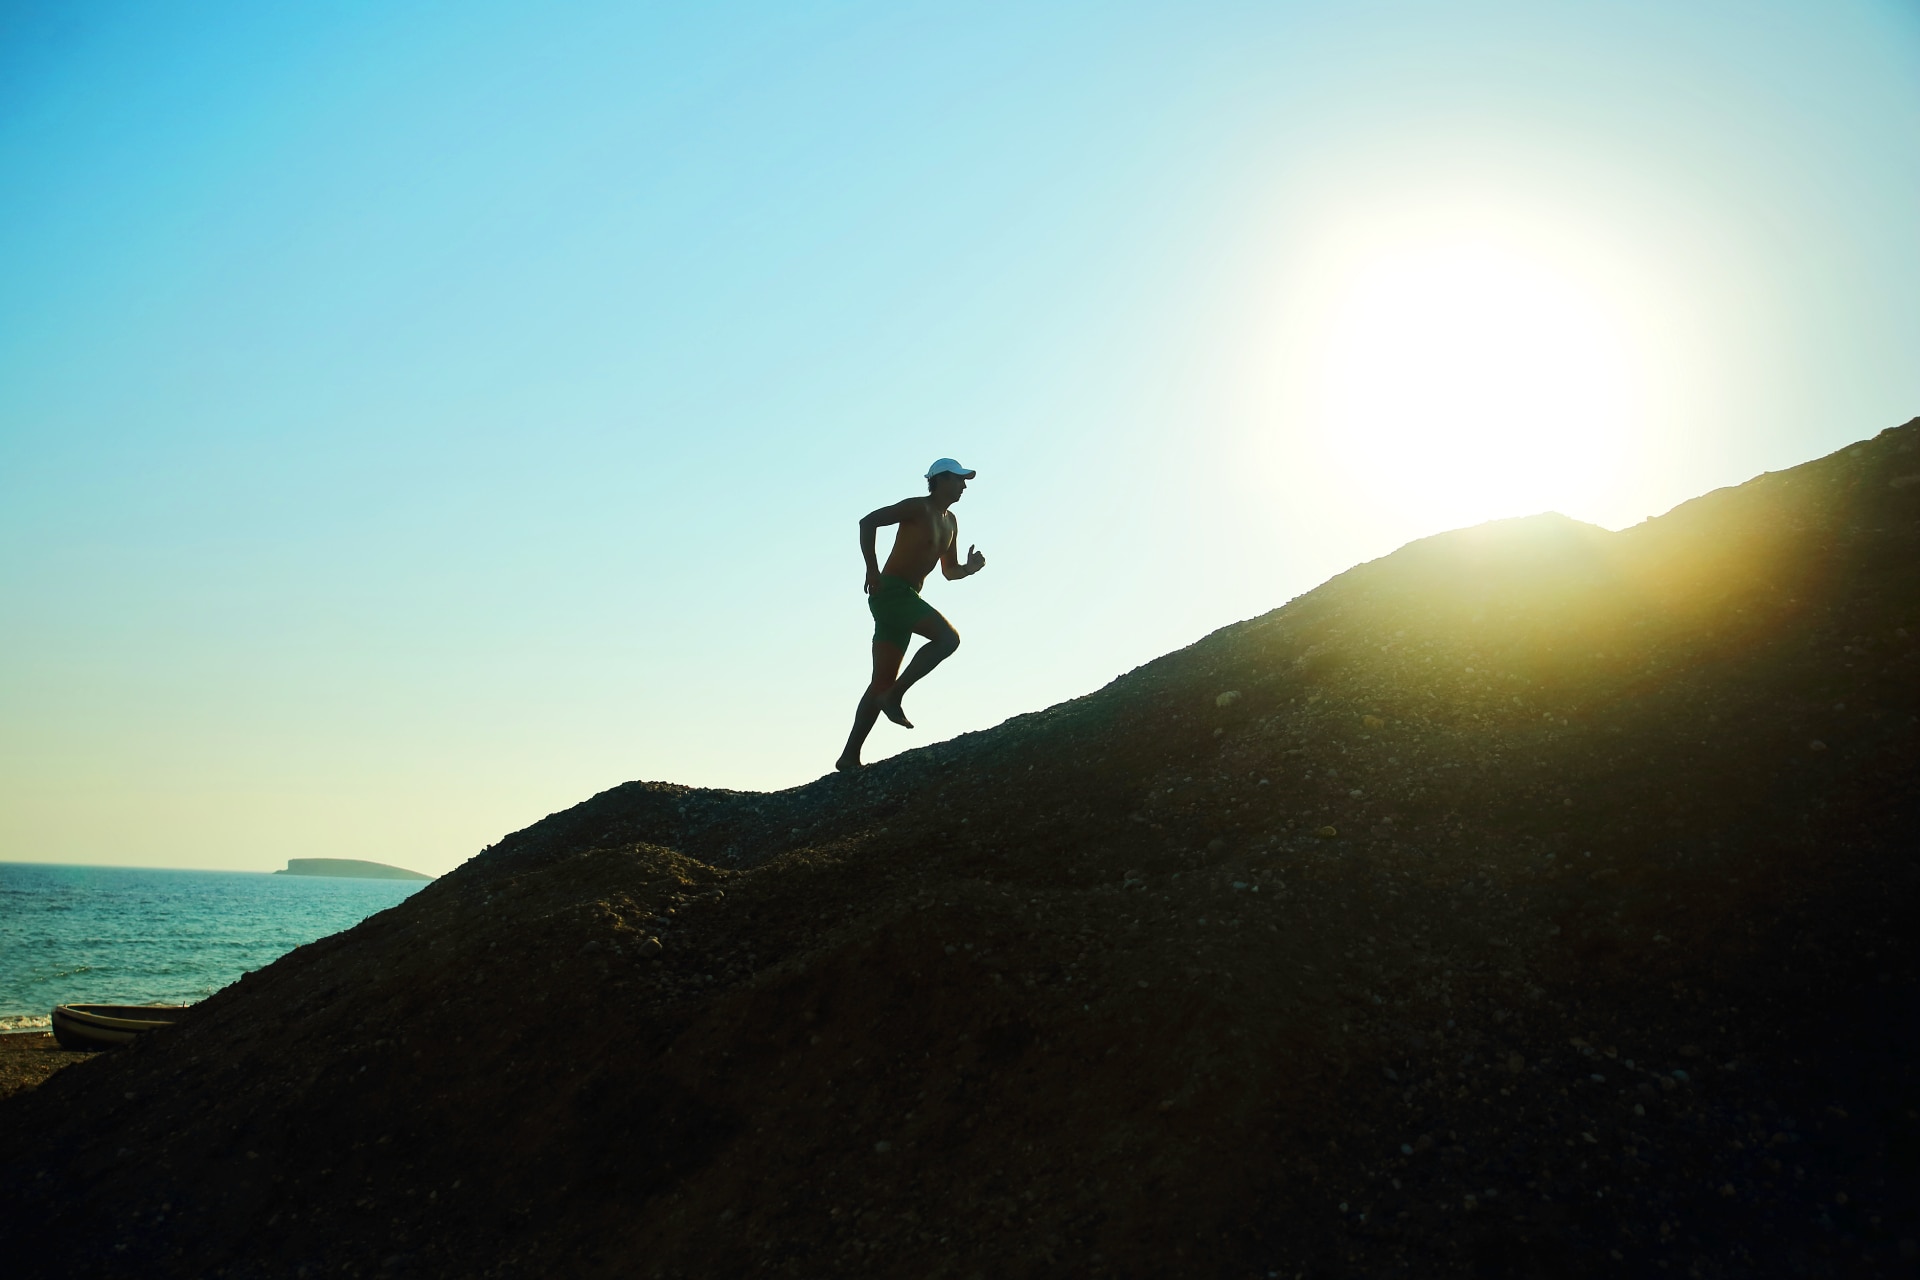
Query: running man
{"x": 929, "y": 535}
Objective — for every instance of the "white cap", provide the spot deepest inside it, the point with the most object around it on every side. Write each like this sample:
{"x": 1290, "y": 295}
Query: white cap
{"x": 947, "y": 466}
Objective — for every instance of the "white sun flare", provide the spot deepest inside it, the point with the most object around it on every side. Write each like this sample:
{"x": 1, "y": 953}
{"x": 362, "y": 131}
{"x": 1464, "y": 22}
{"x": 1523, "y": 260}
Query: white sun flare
{"x": 1464, "y": 379}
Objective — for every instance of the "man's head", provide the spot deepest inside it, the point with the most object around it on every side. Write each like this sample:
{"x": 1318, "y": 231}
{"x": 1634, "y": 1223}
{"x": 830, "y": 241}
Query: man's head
{"x": 947, "y": 480}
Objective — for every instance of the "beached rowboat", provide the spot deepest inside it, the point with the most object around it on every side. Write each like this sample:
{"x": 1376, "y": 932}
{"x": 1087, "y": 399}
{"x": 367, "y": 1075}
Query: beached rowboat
{"x": 88, "y": 1027}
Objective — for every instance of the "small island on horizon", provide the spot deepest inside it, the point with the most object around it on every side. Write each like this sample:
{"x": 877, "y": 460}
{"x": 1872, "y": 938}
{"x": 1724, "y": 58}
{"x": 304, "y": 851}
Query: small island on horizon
{"x": 350, "y": 868}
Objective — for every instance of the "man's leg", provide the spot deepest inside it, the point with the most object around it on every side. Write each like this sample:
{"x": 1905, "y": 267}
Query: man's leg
{"x": 942, "y": 640}
{"x": 886, "y": 667}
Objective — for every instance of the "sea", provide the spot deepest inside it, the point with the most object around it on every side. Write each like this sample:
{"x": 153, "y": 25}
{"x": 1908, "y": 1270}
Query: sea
{"x": 130, "y": 935}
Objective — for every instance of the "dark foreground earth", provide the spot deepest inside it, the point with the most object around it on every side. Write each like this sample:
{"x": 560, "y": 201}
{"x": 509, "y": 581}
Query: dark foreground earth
{"x": 1536, "y": 900}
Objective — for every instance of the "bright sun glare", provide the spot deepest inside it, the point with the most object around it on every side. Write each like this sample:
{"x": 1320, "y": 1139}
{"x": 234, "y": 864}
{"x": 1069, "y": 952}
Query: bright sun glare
{"x": 1465, "y": 377}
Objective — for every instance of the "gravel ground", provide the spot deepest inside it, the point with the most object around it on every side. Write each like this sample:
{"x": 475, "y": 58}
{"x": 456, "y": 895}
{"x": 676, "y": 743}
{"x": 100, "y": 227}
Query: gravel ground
{"x": 1533, "y": 901}
{"x": 27, "y": 1058}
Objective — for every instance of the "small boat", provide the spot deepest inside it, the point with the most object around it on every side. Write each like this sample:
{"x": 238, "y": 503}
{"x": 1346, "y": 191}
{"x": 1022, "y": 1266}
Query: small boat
{"x": 91, "y": 1027}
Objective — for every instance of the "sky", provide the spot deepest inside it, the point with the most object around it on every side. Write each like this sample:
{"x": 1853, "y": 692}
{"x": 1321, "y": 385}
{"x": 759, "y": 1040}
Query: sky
{"x": 418, "y": 417}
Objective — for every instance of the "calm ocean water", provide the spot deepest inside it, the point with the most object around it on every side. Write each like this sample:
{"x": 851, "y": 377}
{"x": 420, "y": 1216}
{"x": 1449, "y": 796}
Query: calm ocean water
{"x": 123, "y": 935}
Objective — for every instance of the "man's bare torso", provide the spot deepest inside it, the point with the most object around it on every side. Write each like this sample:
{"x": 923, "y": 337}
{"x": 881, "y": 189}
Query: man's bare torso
{"x": 920, "y": 542}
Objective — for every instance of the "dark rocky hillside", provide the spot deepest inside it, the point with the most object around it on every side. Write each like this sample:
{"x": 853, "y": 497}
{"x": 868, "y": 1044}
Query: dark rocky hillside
{"x": 1536, "y": 900}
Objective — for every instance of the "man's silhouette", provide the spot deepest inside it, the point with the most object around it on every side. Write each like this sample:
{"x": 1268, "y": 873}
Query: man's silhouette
{"x": 928, "y": 536}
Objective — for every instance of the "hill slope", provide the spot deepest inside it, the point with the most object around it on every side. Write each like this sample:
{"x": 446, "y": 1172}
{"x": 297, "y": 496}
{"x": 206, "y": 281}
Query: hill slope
{"x": 1529, "y": 901}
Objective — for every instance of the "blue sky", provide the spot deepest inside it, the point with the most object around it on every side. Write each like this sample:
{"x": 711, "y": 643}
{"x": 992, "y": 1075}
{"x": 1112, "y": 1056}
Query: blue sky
{"x": 415, "y": 418}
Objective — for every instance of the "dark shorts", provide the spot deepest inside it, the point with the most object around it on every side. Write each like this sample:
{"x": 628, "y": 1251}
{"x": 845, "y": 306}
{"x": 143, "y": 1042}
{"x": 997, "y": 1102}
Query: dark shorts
{"x": 896, "y": 606}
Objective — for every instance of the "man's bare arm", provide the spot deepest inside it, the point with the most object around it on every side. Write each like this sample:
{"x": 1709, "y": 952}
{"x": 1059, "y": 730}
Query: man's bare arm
{"x": 870, "y": 525}
{"x": 950, "y": 566}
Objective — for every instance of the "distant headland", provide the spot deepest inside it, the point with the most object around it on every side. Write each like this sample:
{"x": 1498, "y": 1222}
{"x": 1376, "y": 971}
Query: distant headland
{"x": 352, "y": 868}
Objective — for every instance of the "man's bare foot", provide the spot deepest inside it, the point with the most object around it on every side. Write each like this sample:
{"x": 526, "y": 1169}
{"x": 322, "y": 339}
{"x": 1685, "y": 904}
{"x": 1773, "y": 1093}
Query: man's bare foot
{"x": 891, "y": 710}
{"x": 848, "y": 764}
